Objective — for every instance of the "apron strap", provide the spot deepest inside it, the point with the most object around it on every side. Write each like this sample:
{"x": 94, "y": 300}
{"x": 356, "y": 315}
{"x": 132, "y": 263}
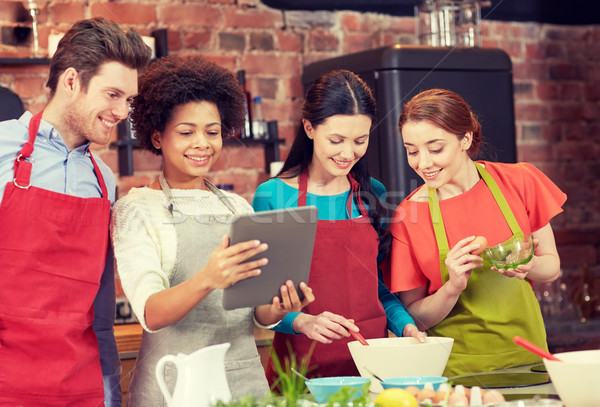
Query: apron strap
{"x": 224, "y": 200}
{"x": 167, "y": 191}
{"x": 302, "y": 188}
{"x": 23, "y": 166}
{"x": 437, "y": 221}
{"x": 99, "y": 176}
{"x": 504, "y": 207}
{"x": 24, "y": 162}
{"x": 354, "y": 188}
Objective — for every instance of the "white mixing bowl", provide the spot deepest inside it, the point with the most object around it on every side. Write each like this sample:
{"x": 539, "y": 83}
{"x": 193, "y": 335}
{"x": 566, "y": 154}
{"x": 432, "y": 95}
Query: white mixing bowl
{"x": 577, "y": 377}
{"x": 396, "y": 357}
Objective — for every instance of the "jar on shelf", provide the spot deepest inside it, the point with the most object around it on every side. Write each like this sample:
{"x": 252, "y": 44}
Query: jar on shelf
{"x": 259, "y": 124}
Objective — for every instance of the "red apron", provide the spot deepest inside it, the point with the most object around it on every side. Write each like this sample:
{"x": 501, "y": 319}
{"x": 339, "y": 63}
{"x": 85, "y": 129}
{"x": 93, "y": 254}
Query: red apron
{"x": 52, "y": 253}
{"x": 343, "y": 277}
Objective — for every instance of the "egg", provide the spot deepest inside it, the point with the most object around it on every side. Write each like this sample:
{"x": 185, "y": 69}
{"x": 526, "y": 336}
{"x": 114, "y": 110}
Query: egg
{"x": 458, "y": 399}
{"x": 425, "y": 394}
{"x": 493, "y": 397}
{"x": 482, "y": 242}
{"x": 414, "y": 390}
{"x": 440, "y": 394}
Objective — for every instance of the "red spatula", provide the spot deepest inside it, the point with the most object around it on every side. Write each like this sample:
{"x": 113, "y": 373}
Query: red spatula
{"x": 535, "y": 349}
{"x": 359, "y": 338}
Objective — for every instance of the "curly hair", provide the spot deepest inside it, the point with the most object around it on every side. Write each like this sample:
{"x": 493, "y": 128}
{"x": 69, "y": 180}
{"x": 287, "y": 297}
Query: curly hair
{"x": 173, "y": 81}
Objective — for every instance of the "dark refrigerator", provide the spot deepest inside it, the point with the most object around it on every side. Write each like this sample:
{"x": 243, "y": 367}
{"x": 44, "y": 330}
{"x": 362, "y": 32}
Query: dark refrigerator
{"x": 482, "y": 76}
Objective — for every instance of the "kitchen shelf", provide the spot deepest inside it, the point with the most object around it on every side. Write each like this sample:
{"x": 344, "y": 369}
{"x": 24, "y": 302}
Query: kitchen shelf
{"x": 271, "y": 147}
{"x": 24, "y": 61}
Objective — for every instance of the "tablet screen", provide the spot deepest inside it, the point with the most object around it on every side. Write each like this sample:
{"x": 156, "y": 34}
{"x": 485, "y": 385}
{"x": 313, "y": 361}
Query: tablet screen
{"x": 290, "y": 234}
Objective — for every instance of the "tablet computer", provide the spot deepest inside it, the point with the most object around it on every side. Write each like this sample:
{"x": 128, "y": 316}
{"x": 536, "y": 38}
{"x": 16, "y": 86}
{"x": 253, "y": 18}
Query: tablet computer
{"x": 290, "y": 234}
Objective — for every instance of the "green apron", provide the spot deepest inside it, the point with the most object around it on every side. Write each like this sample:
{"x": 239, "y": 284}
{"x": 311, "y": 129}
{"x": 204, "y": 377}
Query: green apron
{"x": 491, "y": 310}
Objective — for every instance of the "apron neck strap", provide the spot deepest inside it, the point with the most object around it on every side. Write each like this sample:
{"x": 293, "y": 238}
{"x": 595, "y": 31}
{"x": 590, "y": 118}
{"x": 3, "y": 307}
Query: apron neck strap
{"x": 437, "y": 221}
{"x": 24, "y": 162}
{"x": 164, "y": 185}
{"x": 504, "y": 207}
{"x": 354, "y": 190}
{"x": 302, "y": 188}
{"x": 99, "y": 176}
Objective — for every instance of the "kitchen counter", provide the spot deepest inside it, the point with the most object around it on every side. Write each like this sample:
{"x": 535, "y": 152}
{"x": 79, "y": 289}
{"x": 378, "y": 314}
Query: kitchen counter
{"x": 545, "y": 390}
{"x": 129, "y": 338}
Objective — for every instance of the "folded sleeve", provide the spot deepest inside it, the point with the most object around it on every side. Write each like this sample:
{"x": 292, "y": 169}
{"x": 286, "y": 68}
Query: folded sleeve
{"x": 543, "y": 199}
{"x": 401, "y": 270}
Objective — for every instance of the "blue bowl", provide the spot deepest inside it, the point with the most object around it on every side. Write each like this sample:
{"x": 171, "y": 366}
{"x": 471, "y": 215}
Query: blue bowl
{"x": 417, "y": 381}
{"x": 324, "y": 387}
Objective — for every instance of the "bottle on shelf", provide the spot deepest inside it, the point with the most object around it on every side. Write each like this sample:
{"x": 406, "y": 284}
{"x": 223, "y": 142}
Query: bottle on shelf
{"x": 259, "y": 124}
{"x": 586, "y": 296}
{"x": 246, "y": 131}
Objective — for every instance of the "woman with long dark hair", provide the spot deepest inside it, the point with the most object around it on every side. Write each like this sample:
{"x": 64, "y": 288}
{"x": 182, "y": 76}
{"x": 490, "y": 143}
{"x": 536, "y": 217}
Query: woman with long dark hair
{"x": 326, "y": 167}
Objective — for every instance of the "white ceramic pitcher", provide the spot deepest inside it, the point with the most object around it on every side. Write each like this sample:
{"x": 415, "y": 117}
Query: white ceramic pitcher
{"x": 201, "y": 377}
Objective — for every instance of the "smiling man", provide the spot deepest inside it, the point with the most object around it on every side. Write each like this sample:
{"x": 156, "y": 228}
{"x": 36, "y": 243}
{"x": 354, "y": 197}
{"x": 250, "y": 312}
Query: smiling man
{"x": 57, "y": 299}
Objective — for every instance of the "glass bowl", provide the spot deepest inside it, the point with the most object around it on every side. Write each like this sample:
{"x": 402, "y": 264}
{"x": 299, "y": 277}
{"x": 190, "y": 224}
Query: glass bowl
{"x": 510, "y": 254}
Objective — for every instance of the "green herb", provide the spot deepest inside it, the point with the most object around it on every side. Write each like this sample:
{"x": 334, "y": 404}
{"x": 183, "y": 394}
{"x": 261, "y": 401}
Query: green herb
{"x": 288, "y": 384}
{"x": 289, "y": 390}
{"x": 346, "y": 395}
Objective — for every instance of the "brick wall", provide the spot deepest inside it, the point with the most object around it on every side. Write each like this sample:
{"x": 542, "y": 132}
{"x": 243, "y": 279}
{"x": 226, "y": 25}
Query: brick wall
{"x": 556, "y": 78}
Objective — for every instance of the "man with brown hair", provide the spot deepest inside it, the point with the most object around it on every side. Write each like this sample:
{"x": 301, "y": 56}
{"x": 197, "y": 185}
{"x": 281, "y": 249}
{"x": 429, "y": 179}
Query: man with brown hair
{"x": 57, "y": 294}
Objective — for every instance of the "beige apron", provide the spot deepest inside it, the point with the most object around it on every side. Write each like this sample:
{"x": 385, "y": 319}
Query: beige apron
{"x": 491, "y": 310}
{"x": 207, "y": 324}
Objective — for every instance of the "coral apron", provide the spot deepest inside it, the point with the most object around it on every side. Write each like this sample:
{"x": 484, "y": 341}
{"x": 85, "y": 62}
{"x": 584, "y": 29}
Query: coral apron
{"x": 343, "y": 277}
{"x": 207, "y": 324}
{"x": 53, "y": 249}
{"x": 491, "y": 310}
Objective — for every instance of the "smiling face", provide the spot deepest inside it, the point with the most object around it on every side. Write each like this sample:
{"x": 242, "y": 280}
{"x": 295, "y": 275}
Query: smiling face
{"x": 190, "y": 144}
{"x": 339, "y": 142}
{"x": 94, "y": 112}
{"x": 437, "y": 156}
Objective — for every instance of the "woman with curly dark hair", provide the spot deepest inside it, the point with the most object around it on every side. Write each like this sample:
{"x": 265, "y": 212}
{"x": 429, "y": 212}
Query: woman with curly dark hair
{"x": 171, "y": 248}
{"x": 326, "y": 167}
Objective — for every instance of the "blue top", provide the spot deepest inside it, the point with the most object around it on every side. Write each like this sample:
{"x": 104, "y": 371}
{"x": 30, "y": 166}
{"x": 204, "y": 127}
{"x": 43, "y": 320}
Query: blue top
{"x": 70, "y": 172}
{"x": 276, "y": 194}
